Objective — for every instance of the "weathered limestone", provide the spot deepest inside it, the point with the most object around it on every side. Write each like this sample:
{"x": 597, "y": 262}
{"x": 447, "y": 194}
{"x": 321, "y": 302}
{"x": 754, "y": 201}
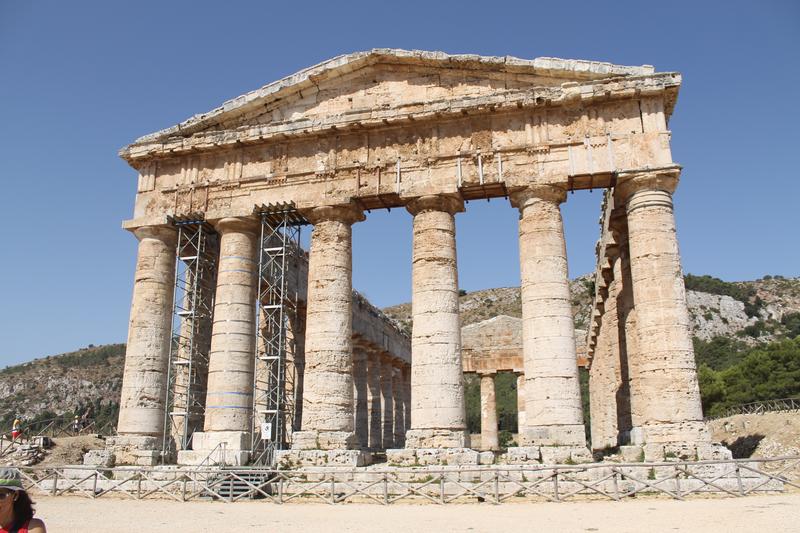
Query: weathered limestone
{"x": 398, "y": 402}
{"x": 553, "y": 414}
{"x": 229, "y": 400}
{"x": 489, "y": 440}
{"x": 604, "y": 374}
{"x": 387, "y": 396}
{"x": 665, "y": 358}
{"x": 144, "y": 381}
{"x": 328, "y": 382}
{"x": 521, "y": 400}
{"x": 361, "y": 399}
{"x": 375, "y": 441}
{"x": 355, "y": 133}
{"x": 438, "y": 418}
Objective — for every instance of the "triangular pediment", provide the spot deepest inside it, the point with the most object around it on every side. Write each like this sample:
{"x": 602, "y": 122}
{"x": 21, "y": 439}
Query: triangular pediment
{"x": 385, "y": 79}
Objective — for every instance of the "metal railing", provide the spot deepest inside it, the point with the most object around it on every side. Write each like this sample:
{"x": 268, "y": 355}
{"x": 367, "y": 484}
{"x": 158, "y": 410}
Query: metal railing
{"x": 764, "y": 406}
{"x": 493, "y": 484}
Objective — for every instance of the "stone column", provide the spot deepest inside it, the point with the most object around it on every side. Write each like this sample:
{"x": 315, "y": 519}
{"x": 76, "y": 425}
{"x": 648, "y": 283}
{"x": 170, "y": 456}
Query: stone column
{"x": 438, "y": 418}
{"x": 399, "y": 435}
{"x": 663, "y": 373}
{"x": 489, "y": 440}
{"x": 604, "y": 373}
{"x": 406, "y": 370}
{"x": 553, "y": 413}
{"x": 361, "y": 400}
{"x": 229, "y": 398}
{"x": 328, "y": 422}
{"x": 387, "y": 376}
{"x": 144, "y": 381}
{"x": 374, "y": 398}
{"x": 520, "y": 401}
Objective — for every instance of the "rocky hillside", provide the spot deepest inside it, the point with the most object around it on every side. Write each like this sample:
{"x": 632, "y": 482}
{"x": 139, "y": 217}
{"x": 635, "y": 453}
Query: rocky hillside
{"x": 754, "y": 311}
{"x": 63, "y": 384}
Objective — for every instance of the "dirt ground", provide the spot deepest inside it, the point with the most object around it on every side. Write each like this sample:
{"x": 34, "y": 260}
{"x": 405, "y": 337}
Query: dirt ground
{"x": 769, "y": 513}
{"x": 70, "y": 450}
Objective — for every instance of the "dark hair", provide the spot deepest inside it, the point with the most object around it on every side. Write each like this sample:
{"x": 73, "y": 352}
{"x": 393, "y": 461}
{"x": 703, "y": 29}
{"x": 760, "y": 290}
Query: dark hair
{"x": 23, "y": 508}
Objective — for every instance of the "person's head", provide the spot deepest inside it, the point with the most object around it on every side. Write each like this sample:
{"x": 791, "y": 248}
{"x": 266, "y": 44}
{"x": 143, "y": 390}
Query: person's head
{"x": 13, "y": 496}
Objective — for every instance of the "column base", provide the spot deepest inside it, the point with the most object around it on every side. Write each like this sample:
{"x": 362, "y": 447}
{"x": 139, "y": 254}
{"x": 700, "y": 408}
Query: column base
{"x": 675, "y": 451}
{"x": 324, "y": 440}
{"x": 294, "y": 458}
{"x": 224, "y": 448}
{"x": 694, "y": 431}
{"x": 139, "y": 450}
{"x": 436, "y": 438}
{"x": 549, "y": 455}
{"x": 438, "y": 457}
{"x": 561, "y": 435}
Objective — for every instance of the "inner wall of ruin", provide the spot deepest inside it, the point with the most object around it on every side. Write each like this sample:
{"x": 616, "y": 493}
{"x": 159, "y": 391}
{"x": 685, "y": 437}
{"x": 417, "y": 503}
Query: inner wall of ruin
{"x": 427, "y": 131}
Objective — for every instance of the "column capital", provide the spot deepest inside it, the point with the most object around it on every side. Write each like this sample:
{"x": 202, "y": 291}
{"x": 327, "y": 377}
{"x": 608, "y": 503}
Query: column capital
{"x": 547, "y": 192}
{"x": 346, "y": 213}
{"x": 236, "y": 225}
{"x": 487, "y": 373}
{"x": 629, "y": 183}
{"x": 166, "y": 234}
{"x": 436, "y": 202}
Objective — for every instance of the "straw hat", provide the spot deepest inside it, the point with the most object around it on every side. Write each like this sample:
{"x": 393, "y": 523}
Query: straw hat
{"x": 10, "y": 479}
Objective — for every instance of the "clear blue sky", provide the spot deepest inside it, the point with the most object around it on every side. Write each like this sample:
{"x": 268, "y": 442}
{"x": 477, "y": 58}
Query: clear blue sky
{"x": 78, "y": 80}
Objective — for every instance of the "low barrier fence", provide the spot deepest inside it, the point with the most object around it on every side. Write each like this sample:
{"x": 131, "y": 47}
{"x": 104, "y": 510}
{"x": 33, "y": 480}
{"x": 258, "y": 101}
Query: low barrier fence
{"x": 494, "y": 484}
{"x": 765, "y": 406}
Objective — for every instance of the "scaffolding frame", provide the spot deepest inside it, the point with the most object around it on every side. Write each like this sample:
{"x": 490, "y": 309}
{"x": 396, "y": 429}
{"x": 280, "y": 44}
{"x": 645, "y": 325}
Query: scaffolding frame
{"x": 193, "y": 311}
{"x": 280, "y": 254}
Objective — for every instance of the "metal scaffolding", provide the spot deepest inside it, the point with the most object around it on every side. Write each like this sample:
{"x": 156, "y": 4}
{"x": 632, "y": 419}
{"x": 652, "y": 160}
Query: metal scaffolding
{"x": 193, "y": 308}
{"x": 277, "y": 335}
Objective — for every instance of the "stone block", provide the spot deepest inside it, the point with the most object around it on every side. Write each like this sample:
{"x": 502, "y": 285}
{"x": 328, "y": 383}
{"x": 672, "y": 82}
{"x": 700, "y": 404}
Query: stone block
{"x": 631, "y": 454}
{"x": 105, "y": 458}
{"x": 218, "y": 457}
{"x": 563, "y": 435}
{"x": 436, "y": 438}
{"x": 305, "y": 440}
{"x": 554, "y": 455}
{"x": 231, "y": 440}
{"x": 713, "y": 452}
{"x": 401, "y": 457}
{"x": 520, "y": 455}
{"x": 486, "y": 458}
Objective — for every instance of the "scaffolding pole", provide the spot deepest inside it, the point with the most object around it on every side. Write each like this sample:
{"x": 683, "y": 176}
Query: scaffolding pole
{"x": 274, "y": 384}
{"x": 192, "y": 316}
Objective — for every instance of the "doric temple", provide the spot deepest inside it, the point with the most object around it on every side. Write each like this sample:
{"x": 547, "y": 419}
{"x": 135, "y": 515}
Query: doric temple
{"x": 243, "y": 347}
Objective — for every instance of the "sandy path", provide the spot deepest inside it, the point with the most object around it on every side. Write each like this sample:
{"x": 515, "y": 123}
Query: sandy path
{"x": 768, "y": 514}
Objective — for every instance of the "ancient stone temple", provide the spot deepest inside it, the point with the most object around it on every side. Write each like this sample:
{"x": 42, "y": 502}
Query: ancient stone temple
{"x": 424, "y": 131}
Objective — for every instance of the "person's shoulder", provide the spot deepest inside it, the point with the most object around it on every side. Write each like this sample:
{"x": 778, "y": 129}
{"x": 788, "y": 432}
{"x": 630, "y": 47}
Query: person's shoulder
{"x": 36, "y": 526}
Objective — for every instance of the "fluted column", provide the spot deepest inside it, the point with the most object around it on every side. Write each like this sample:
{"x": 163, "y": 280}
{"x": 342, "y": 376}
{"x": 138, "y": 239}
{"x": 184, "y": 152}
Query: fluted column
{"x": 489, "y": 440}
{"x": 387, "y": 377}
{"x": 144, "y": 379}
{"x": 374, "y": 401}
{"x": 361, "y": 400}
{"x": 230, "y": 366}
{"x": 663, "y": 373}
{"x": 328, "y": 421}
{"x": 399, "y": 435}
{"x": 553, "y": 413}
{"x": 438, "y": 417}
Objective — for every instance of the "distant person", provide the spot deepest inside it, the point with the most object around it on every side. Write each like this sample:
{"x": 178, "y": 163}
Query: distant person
{"x": 85, "y": 417}
{"x": 16, "y": 507}
{"x": 16, "y": 429}
{"x": 76, "y": 424}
